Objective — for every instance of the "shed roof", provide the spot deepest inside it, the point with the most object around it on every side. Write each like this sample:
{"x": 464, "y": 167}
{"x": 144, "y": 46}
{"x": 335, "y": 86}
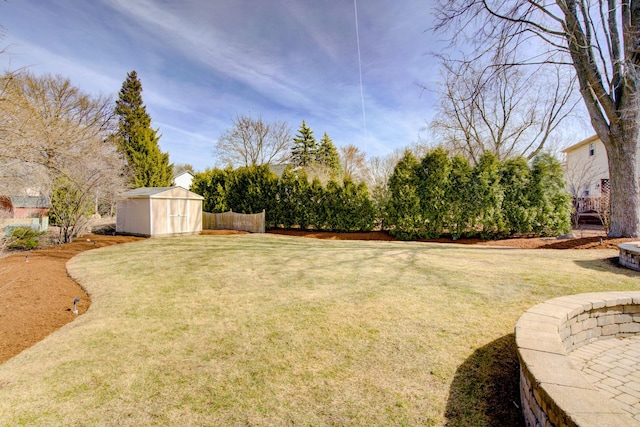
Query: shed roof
{"x": 160, "y": 193}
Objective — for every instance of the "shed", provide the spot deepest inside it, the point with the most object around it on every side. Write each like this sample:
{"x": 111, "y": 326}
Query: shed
{"x": 159, "y": 211}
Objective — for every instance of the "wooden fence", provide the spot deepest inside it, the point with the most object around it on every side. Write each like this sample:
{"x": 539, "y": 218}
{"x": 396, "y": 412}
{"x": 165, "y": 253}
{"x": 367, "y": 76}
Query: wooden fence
{"x": 253, "y": 223}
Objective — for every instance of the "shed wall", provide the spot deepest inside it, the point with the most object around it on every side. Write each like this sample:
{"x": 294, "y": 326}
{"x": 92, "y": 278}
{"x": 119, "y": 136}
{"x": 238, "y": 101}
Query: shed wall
{"x": 133, "y": 216}
{"x": 159, "y": 214}
{"x": 195, "y": 215}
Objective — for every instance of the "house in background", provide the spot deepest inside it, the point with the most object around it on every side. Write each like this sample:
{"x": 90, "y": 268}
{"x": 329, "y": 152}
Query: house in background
{"x": 183, "y": 179}
{"x": 20, "y": 207}
{"x": 586, "y": 170}
{"x": 31, "y": 211}
{"x": 279, "y": 168}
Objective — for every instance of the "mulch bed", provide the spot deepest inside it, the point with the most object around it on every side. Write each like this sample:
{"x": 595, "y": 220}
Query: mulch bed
{"x": 591, "y": 239}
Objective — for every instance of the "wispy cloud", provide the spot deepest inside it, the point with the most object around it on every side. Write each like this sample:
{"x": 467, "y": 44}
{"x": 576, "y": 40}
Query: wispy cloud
{"x": 229, "y": 56}
{"x": 201, "y": 63}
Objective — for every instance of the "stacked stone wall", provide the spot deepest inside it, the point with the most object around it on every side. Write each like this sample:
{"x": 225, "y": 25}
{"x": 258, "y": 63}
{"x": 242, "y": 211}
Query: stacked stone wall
{"x": 629, "y": 255}
{"x": 553, "y": 392}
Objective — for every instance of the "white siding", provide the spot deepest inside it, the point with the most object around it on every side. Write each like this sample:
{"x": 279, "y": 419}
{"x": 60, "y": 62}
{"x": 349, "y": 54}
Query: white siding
{"x": 585, "y": 167}
{"x": 133, "y": 216}
{"x": 184, "y": 180}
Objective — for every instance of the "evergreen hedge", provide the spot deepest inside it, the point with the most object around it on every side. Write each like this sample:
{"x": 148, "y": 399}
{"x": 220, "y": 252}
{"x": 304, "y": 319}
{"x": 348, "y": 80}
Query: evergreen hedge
{"x": 443, "y": 195}
{"x": 289, "y": 201}
{"x": 430, "y": 197}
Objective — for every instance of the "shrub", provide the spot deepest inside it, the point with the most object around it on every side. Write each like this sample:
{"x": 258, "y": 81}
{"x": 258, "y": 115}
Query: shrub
{"x": 459, "y": 200}
{"x": 515, "y": 177}
{"x": 334, "y": 206}
{"x": 361, "y": 211}
{"x": 251, "y": 190}
{"x": 71, "y": 207}
{"x": 550, "y": 200}
{"x": 404, "y": 213}
{"x": 316, "y": 208}
{"x": 440, "y": 194}
{"x": 488, "y": 195}
{"x": 290, "y": 200}
{"x": 23, "y": 238}
{"x": 348, "y": 207}
{"x": 433, "y": 185}
{"x": 212, "y": 185}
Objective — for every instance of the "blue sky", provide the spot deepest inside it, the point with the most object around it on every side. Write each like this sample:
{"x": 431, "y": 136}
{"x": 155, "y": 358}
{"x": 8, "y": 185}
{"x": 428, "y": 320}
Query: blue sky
{"x": 201, "y": 63}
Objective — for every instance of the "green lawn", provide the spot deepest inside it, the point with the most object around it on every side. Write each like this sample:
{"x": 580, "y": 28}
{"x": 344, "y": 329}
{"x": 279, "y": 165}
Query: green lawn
{"x": 274, "y": 330}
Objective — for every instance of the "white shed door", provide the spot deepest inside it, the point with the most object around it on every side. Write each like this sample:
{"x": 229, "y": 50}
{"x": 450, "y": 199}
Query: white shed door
{"x": 178, "y": 211}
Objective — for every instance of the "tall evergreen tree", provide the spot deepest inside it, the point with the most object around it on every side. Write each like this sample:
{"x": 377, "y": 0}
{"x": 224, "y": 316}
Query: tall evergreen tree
{"x": 404, "y": 213}
{"x": 137, "y": 141}
{"x": 488, "y": 195}
{"x": 327, "y": 155}
{"x": 305, "y": 147}
{"x": 317, "y": 205}
{"x": 460, "y": 196}
{"x": 213, "y": 184}
{"x": 291, "y": 198}
{"x": 515, "y": 177}
{"x": 550, "y": 200}
{"x": 433, "y": 177}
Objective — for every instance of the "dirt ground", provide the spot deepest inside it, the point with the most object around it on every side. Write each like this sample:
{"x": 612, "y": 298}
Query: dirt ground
{"x": 36, "y": 295}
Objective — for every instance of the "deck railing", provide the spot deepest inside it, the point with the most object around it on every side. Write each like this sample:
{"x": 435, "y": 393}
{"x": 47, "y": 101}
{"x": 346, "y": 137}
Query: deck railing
{"x": 587, "y": 204}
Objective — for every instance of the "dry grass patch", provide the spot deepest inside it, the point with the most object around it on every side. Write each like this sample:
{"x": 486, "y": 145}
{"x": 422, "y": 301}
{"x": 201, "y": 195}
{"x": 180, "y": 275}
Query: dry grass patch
{"x": 272, "y": 330}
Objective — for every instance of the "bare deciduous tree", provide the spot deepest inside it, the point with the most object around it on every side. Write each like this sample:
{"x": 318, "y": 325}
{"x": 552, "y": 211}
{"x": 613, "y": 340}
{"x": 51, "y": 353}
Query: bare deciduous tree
{"x": 378, "y": 170}
{"x": 600, "y": 40}
{"x": 250, "y": 142}
{"x": 500, "y": 109}
{"x": 51, "y": 129}
{"x": 322, "y": 173}
{"x": 604, "y": 210}
{"x": 49, "y": 122}
{"x": 353, "y": 162}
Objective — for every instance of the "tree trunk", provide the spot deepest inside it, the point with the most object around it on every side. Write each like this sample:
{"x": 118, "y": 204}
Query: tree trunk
{"x": 623, "y": 178}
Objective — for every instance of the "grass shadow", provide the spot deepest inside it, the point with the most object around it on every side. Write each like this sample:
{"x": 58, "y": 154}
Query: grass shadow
{"x": 106, "y": 229}
{"x": 608, "y": 265}
{"x": 485, "y": 389}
